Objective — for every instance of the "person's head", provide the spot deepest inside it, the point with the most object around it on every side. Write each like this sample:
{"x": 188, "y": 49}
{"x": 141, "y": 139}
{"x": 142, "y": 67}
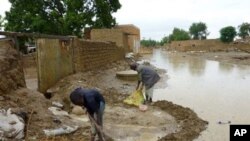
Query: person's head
{"x": 76, "y": 97}
{"x": 133, "y": 66}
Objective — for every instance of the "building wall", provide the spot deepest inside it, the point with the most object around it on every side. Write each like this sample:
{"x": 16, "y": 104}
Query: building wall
{"x": 109, "y": 35}
{"x": 54, "y": 58}
{"x": 11, "y": 71}
{"x": 89, "y": 55}
{"x": 125, "y": 36}
{"x": 203, "y": 45}
{"x": 130, "y": 29}
{"x": 133, "y": 34}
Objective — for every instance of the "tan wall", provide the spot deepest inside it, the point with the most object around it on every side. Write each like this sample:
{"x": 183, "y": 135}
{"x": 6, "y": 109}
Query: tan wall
{"x": 133, "y": 34}
{"x": 130, "y": 29}
{"x": 90, "y": 55}
{"x": 201, "y": 45}
{"x": 54, "y": 62}
{"x": 109, "y": 35}
{"x": 126, "y": 36}
{"x": 243, "y": 47}
{"x": 11, "y": 71}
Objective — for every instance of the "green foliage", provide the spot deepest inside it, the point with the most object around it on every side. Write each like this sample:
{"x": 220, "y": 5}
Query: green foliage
{"x": 198, "y": 31}
{"x": 104, "y": 9}
{"x": 149, "y": 43}
{"x": 179, "y": 35}
{"x": 60, "y": 17}
{"x": 244, "y": 30}
{"x": 164, "y": 40}
{"x": 227, "y": 34}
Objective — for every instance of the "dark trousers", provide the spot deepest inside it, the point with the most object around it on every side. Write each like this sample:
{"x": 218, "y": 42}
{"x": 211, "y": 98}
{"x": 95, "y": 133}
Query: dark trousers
{"x": 98, "y": 119}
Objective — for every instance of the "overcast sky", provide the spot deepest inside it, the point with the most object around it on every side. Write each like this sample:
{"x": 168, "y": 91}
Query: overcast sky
{"x": 157, "y": 18}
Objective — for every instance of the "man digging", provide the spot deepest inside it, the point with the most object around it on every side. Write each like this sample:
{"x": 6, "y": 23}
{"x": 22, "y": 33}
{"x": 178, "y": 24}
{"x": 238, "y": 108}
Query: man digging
{"x": 94, "y": 102}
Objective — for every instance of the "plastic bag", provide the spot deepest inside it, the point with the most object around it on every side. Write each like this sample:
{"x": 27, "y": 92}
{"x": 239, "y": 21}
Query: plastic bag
{"x": 136, "y": 98}
{"x": 60, "y": 131}
{"x": 11, "y": 125}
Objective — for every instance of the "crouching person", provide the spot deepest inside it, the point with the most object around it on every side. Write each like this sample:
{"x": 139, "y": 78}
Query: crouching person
{"x": 94, "y": 102}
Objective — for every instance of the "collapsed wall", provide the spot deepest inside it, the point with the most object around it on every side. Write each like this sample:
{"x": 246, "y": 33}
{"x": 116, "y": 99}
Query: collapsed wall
{"x": 11, "y": 71}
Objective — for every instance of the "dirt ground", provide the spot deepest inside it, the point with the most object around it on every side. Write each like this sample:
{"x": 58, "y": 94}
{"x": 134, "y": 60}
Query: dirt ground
{"x": 178, "y": 123}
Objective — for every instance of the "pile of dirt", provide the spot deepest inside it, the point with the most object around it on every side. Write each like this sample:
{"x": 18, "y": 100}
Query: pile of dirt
{"x": 11, "y": 72}
{"x": 191, "y": 124}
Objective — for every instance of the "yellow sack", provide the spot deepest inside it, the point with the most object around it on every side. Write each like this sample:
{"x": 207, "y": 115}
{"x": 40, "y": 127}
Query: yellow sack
{"x": 136, "y": 98}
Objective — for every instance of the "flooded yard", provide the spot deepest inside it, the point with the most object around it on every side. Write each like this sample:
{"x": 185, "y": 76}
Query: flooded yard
{"x": 218, "y": 92}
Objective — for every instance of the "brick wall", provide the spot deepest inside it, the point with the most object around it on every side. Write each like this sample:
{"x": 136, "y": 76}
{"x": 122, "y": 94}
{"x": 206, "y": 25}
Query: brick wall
{"x": 11, "y": 71}
{"x": 89, "y": 55}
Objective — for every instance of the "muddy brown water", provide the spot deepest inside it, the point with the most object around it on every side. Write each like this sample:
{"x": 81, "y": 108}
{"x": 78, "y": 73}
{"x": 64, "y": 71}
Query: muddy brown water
{"x": 217, "y": 92}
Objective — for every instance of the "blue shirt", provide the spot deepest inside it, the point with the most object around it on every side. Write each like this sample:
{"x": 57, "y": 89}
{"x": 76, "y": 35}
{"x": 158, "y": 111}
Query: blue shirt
{"x": 92, "y": 99}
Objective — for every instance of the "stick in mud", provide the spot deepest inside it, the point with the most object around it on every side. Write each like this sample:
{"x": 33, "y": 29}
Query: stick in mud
{"x": 27, "y": 127}
{"x": 97, "y": 127}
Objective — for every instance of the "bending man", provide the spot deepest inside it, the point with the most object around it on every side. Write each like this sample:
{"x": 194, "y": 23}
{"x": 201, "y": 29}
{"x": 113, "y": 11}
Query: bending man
{"x": 148, "y": 77}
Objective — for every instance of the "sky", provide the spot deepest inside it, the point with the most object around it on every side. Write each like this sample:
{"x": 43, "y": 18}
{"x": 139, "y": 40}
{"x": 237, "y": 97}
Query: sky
{"x": 158, "y": 18}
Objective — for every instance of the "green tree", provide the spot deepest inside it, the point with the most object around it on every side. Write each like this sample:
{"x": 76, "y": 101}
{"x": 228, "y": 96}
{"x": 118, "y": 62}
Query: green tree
{"x": 244, "y": 30}
{"x": 149, "y": 43}
{"x": 227, "y": 34}
{"x": 164, "y": 40}
{"x": 178, "y": 35}
{"x": 198, "y": 31}
{"x": 61, "y": 17}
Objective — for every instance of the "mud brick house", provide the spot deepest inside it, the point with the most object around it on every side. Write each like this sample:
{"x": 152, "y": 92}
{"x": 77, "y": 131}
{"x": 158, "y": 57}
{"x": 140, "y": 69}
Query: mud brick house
{"x": 125, "y": 36}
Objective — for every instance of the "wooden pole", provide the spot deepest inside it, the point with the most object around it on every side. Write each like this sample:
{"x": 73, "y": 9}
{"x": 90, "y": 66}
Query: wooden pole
{"x": 35, "y": 35}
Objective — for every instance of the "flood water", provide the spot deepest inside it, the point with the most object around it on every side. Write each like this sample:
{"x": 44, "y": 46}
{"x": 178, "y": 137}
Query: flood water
{"x": 217, "y": 92}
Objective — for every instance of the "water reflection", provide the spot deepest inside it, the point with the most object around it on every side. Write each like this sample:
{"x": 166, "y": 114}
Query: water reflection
{"x": 215, "y": 91}
{"x": 196, "y": 66}
{"x": 226, "y": 67}
{"x": 178, "y": 62}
